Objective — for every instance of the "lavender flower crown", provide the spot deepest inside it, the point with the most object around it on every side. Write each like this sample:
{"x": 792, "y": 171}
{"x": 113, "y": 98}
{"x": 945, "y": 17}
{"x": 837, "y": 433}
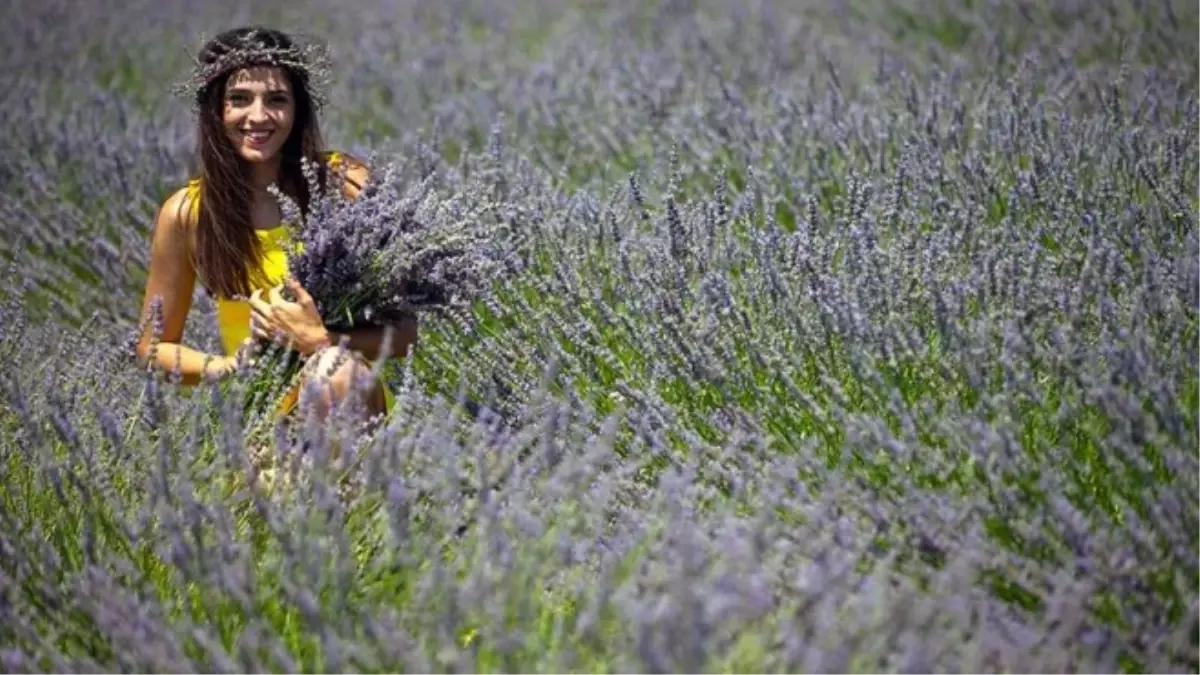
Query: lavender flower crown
{"x": 259, "y": 47}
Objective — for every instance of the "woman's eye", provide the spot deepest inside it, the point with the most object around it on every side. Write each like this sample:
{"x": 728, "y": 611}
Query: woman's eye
{"x": 244, "y": 99}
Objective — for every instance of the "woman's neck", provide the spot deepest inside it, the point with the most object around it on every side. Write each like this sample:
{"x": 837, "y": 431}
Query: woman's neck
{"x": 263, "y": 174}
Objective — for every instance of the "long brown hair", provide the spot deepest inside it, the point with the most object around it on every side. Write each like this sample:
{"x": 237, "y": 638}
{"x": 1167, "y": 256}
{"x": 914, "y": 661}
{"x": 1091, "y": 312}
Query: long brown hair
{"x": 226, "y": 247}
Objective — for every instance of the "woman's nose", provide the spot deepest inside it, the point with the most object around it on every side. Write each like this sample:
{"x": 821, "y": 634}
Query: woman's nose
{"x": 258, "y": 111}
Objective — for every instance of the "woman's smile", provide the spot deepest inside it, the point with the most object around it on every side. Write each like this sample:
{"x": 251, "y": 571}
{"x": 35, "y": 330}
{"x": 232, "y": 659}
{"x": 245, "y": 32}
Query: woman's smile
{"x": 257, "y": 138}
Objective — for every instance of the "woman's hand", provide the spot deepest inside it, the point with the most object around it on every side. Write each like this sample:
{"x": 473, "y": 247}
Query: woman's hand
{"x": 297, "y": 325}
{"x": 219, "y": 367}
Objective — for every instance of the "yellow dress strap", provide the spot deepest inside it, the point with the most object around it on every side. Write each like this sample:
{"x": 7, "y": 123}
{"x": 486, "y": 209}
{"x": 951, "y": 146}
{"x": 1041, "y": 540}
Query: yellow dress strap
{"x": 193, "y": 191}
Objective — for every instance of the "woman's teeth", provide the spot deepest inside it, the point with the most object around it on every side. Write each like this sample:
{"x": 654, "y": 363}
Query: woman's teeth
{"x": 258, "y": 137}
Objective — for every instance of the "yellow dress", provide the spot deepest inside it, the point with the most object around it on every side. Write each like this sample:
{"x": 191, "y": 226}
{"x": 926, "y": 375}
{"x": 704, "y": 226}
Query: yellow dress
{"x": 233, "y": 316}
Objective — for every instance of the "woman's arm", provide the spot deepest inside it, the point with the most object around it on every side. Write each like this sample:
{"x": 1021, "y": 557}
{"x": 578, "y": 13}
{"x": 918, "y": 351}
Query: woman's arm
{"x": 368, "y": 340}
{"x": 171, "y": 280}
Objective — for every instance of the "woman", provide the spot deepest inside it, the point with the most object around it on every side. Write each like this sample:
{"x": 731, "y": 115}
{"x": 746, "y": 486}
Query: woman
{"x": 256, "y": 93}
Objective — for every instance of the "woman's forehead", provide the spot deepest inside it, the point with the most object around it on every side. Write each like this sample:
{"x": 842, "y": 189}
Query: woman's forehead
{"x": 260, "y": 77}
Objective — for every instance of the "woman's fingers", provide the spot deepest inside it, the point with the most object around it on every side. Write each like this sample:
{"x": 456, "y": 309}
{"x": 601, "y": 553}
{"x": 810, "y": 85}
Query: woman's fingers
{"x": 266, "y": 329}
{"x": 257, "y": 324}
{"x": 275, "y": 295}
{"x": 259, "y": 332}
{"x": 258, "y": 306}
{"x": 262, "y": 316}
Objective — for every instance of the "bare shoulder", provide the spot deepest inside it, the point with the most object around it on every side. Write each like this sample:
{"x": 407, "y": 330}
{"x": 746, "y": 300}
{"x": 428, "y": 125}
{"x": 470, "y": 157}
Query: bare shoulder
{"x": 173, "y": 239}
{"x": 175, "y": 223}
{"x": 357, "y": 172}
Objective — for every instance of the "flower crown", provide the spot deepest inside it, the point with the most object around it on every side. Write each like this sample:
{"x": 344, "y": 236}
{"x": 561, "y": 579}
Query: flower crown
{"x": 306, "y": 56}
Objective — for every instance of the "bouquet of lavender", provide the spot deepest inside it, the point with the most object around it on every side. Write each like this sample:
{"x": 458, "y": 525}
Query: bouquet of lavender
{"x": 393, "y": 252}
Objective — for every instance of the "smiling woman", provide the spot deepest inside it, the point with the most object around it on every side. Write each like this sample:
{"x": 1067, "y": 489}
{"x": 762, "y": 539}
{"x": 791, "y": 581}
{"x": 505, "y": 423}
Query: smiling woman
{"x": 257, "y": 95}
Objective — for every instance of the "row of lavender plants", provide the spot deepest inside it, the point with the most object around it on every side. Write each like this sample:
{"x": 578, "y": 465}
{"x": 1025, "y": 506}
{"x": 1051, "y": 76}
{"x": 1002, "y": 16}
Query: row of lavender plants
{"x": 848, "y": 337}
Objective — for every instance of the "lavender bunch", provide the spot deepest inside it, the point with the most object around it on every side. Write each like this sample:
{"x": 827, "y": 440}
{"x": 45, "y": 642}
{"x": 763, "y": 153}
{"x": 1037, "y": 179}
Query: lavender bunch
{"x": 394, "y": 251}
{"x": 398, "y": 249}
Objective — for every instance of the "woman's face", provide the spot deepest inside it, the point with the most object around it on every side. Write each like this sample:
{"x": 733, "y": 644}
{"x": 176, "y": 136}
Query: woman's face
{"x": 258, "y": 112}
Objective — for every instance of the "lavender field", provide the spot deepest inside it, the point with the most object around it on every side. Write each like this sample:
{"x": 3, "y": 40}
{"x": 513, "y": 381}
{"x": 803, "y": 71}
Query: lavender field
{"x": 848, "y": 336}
